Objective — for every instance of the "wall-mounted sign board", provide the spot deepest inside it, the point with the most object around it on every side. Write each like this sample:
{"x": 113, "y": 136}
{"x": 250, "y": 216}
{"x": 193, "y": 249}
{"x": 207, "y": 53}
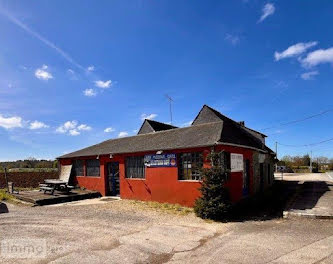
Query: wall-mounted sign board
{"x": 236, "y": 162}
{"x": 160, "y": 160}
{"x": 262, "y": 158}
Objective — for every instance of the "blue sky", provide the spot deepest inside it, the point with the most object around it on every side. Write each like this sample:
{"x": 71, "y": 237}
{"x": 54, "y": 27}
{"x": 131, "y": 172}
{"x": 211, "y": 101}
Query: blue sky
{"x": 74, "y": 73}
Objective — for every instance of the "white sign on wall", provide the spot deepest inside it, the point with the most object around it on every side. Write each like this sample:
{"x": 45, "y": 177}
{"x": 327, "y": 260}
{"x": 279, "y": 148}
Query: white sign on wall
{"x": 262, "y": 158}
{"x": 236, "y": 162}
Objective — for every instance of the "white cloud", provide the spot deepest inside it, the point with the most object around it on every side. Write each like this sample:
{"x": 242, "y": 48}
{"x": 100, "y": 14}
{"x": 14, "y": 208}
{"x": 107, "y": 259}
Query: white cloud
{"x": 294, "y": 50}
{"x": 10, "y": 122}
{"x": 309, "y": 75}
{"x": 74, "y": 132}
{"x": 109, "y": 129}
{"x": 89, "y": 92}
{"x": 187, "y": 123}
{"x": 123, "y": 134}
{"x": 234, "y": 40}
{"x": 103, "y": 85}
{"x": 317, "y": 57}
{"x": 37, "y": 125}
{"x": 91, "y": 68}
{"x": 84, "y": 127}
{"x": 150, "y": 116}
{"x": 72, "y": 128}
{"x": 40, "y": 37}
{"x": 72, "y": 75}
{"x": 43, "y": 74}
{"x": 66, "y": 126}
{"x": 267, "y": 11}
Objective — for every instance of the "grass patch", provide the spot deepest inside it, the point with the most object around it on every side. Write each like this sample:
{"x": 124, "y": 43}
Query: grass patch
{"x": 25, "y": 188}
{"x": 4, "y": 196}
{"x": 165, "y": 207}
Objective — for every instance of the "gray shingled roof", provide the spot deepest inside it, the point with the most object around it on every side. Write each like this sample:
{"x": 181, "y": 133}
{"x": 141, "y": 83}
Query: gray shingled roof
{"x": 233, "y": 132}
{"x": 204, "y": 116}
{"x": 149, "y": 126}
{"x": 187, "y": 137}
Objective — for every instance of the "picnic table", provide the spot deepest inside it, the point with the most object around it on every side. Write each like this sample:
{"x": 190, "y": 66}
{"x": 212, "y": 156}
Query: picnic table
{"x": 51, "y": 185}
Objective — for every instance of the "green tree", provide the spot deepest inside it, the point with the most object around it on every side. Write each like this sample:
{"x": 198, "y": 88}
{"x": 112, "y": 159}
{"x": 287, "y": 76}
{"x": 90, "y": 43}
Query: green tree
{"x": 214, "y": 202}
{"x": 55, "y": 164}
{"x": 306, "y": 160}
{"x": 43, "y": 164}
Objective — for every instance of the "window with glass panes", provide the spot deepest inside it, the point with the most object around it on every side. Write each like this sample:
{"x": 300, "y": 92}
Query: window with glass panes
{"x": 92, "y": 167}
{"x": 78, "y": 168}
{"x": 135, "y": 167}
{"x": 189, "y": 166}
{"x": 225, "y": 162}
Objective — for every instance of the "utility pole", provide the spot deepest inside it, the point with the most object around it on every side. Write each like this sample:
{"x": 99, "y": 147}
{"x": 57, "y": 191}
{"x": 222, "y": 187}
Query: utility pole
{"x": 6, "y": 179}
{"x": 318, "y": 164}
{"x": 170, "y": 105}
{"x": 311, "y": 161}
{"x": 276, "y": 153}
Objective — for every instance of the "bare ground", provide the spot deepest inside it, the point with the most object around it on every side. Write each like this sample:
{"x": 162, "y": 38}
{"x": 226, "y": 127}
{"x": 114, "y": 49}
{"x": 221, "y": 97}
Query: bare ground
{"x": 95, "y": 231}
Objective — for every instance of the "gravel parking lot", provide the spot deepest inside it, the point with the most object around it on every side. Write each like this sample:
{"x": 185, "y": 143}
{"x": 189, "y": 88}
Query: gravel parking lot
{"x": 97, "y": 231}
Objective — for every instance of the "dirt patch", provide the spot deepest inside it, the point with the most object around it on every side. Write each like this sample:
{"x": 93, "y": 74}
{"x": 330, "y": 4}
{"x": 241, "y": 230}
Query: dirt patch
{"x": 159, "y": 258}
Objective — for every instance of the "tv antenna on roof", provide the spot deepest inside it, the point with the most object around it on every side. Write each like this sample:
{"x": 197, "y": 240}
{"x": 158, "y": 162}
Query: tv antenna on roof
{"x": 170, "y": 103}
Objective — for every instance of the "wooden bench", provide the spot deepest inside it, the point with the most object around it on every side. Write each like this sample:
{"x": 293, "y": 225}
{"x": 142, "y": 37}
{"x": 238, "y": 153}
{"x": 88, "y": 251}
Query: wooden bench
{"x": 46, "y": 189}
{"x": 66, "y": 188}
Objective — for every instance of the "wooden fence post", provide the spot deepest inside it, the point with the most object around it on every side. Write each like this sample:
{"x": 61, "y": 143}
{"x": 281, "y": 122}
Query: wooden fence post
{"x": 6, "y": 180}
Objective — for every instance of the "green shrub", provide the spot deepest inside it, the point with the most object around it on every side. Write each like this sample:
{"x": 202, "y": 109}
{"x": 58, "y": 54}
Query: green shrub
{"x": 214, "y": 202}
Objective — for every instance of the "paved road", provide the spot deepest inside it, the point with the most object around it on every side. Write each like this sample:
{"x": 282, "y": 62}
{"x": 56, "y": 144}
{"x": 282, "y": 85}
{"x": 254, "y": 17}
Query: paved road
{"x": 315, "y": 198}
{"x": 330, "y": 175}
{"x": 124, "y": 232}
{"x": 288, "y": 241}
{"x": 327, "y": 177}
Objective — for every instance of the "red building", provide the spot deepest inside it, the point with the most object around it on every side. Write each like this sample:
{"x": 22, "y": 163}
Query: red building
{"x": 161, "y": 162}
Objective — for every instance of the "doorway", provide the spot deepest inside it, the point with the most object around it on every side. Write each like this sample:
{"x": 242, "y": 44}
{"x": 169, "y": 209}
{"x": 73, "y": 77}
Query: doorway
{"x": 261, "y": 173}
{"x": 246, "y": 177}
{"x": 113, "y": 178}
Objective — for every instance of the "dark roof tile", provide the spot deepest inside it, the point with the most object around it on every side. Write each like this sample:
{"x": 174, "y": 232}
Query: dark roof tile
{"x": 178, "y": 138}
{"x": 149, "y": 126}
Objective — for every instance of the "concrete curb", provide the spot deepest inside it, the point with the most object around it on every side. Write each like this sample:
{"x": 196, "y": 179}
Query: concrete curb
{"x": 293, "y": 198}
{"x": 288, "y": 214}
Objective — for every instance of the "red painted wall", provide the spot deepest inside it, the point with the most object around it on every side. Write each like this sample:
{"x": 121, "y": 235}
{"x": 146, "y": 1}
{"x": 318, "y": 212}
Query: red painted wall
{"x": 88, "y": 182}
{"x": 235, "y": 183}
{"x": 162, "y": 184}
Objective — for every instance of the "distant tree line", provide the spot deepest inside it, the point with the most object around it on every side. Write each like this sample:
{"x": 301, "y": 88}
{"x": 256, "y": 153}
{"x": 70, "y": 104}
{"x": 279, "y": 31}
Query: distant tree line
{"x": 299, "y": 162}
{"x": 30, "y": 163}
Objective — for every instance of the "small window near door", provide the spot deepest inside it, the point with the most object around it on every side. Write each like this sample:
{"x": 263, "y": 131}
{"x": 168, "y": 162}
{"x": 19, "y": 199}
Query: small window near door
{"x": 93, "y": 168}
{"x": 135, "y": 167}
{"x": 189, "y": 165}
{"x": 78, "y": 168}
